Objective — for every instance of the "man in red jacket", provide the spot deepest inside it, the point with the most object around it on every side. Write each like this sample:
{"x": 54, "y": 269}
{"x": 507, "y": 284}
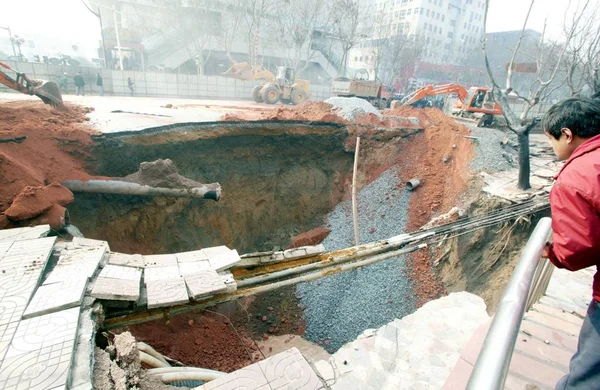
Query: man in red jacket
{"x": 573, "y": 127}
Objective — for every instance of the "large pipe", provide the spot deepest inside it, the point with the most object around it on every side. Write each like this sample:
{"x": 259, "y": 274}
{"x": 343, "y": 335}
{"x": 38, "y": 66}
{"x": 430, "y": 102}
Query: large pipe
{"x": 152, "y": 352}
{"x": 206, "y": 191}
{"x": 201, "y": 374}
{"x": 151, "y": 360}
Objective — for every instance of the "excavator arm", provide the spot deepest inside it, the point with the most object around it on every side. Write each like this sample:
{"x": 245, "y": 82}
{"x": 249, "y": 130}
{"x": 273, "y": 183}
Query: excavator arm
{"x": 432, "y": 90}
{"x": 46, "y": 90}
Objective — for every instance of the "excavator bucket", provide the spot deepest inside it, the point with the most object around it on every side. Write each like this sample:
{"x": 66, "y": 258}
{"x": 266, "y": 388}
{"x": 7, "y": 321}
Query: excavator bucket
{"x": 49, "y": 92}
{"x": 239, "y": 70}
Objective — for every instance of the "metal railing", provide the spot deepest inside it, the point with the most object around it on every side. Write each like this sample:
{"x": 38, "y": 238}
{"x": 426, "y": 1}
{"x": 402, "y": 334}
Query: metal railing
{"x": 526, "y": 285}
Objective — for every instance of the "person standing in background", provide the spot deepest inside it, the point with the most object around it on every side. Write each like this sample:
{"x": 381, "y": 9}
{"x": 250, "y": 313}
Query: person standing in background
{"x": 64, "y": 82}
{"x": 100, "y": 84}
{"x": 79, "y": 83}
{"x": 130, "y": 84}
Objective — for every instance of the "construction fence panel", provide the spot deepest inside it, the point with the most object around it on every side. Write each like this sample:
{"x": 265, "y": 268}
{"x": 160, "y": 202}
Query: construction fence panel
{"x": 152, "y": 84}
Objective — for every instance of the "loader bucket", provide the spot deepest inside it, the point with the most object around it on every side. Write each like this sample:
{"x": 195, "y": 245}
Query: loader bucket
{"x": 240, "y": 70}
{"x": 49, "y": 92}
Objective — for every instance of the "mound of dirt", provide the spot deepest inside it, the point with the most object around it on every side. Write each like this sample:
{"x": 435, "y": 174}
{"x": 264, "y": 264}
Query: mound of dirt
{"x": 54, "y": 148}
{"x": 161, "y": 173}
{"x": 199, "y": 340}
{"x": 308, "y": 111}
{"x": 34, "y": 201}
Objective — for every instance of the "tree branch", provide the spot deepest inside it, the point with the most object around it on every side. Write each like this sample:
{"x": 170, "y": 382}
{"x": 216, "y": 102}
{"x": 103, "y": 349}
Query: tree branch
{"x": 514, "y": 55}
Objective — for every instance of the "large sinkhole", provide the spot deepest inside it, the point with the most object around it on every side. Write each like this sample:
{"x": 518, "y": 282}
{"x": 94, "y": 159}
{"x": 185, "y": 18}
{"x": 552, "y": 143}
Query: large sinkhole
{"x": 279, "y": 179}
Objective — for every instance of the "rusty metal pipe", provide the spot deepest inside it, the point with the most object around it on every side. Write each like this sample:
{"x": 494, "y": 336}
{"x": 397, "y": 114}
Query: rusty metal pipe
{"x": 207, "y": 191}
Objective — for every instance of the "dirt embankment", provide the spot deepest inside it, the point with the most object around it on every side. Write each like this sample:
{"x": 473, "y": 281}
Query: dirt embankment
{"x": 40, "y": 145}
{"x": 439, "y": 157}
{"x": 308, "y": 111}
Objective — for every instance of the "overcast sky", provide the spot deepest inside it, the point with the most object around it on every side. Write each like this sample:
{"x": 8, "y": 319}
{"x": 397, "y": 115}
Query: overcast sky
{"x": 58, "y": 24}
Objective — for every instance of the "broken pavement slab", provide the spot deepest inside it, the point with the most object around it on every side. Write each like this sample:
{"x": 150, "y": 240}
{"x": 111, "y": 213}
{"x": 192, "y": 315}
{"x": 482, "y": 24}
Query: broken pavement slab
{"x": 160, "y": 260}
{"x": 224, "y": 260}
{"x": 55, "y": 297}
{"x": 126, "y": 260}
{"x": 25, "y": 233}
{"x": 285, "y": 370}
{"x": 119, "y": 283}
{"x": 204, "y": 283}
{"x": 167, "y": 292}
{"x": 40, "y": 353}
{"x": 191, "y": 256}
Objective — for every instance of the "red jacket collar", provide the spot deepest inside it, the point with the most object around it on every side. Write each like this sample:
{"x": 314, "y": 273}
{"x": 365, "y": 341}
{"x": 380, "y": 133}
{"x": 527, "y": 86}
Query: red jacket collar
{"x": 586, "y": 147}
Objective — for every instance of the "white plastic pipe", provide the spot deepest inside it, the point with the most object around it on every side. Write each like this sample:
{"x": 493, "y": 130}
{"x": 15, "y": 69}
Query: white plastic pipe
{"x": 174, "y": 374}
{"x": 151, "y": 360}
{"x": 151, "y": 351}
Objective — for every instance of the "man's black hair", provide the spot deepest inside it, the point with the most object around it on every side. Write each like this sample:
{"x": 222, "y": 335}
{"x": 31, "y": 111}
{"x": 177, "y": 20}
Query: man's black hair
{"x": 580, "y": 115}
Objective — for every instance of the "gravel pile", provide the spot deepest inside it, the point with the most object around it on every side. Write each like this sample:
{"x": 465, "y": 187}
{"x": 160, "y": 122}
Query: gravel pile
{"x": 353, "y": 106}
{"x": 491, "y": 156}
{"x": 342, "y": 306}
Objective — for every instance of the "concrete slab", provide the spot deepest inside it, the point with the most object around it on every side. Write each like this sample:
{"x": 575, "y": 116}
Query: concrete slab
{"x": 90, "y": 242}
{"x": 289, "y": 370}
{"x": 4, "y": 247}
{"x": 54, "y": 297}
{"x": 122, "y": 273}
{"x": 27, "y": 256}
{"x": 204, "y": 283}
{"x": 77, "y": 261}
{"x": 126, "y": 260}
{"x": 193, "y": 267}
{"x": 160, "y": 260}
{"x": 40, "y": 353}
{"x": 116, "y": 289}
{"x": 162, "y": 273}
{"x": 215, "y": 251}
{"x": 224, "y": 260}
{"x": 229, "y": 281}
{"x": 166, "y": 293}
{"x": 25, "y": 233}
{"x": 192, "y": 256}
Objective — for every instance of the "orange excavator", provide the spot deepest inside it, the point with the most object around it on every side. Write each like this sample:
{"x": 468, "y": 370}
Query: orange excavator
{"x": 476, "y": 103}
{"x": 48, "y": 91}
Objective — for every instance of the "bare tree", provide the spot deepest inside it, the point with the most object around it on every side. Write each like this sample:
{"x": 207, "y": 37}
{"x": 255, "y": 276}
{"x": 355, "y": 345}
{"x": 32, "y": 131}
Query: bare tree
{"x": 346, "y": 25}
{"x": 254, "y": 14}
{"x": 232, "y": 21}
{"x": 582, "y": 60}
{"x": 548, "y": 65}
{"x": 293, "y": 24}
{"x": 193, "y": 27}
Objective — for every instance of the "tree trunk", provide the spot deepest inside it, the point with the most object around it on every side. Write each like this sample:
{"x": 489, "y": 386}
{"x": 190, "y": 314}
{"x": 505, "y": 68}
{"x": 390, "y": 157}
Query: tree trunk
{"x": 524, "y": 163}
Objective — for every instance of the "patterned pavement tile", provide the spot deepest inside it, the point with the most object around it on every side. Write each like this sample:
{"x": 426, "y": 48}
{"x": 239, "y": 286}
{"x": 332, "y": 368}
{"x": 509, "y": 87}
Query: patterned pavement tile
{"x": 203, "y": 283}
{"x": 4, "y": 247}
{"x": 247, "y": 378}
{"x": 166, "y": 293}
{"x": 224, "y": 260}
{"x": 160, "y": 260}
{"x": 27, "y": 256}
{"x": 126, "y": 260}
{"x": 90, "y": 242}
{"x": 26, "y": 233}
{"x": 76, "y": 262}
{"x": 40, "y": 352}
{"x": 120, "y": 272}
{"x": 193, "y": 267}
{"x": 116, "y": 289}
{"x": 192, "y": 256}
{"x": 289, "y": 370}
{"x": 215, "y": 251}
{"x": 162, "y": 273}
{"x": 50, "y": 298}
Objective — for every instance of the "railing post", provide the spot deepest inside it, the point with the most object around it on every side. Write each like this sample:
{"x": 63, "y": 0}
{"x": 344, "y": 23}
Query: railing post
{"x": 494, "y": 358}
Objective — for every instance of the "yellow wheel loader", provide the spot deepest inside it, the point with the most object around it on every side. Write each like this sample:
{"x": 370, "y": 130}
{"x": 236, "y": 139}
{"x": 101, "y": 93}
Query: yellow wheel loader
{"x": 284, "y": 87}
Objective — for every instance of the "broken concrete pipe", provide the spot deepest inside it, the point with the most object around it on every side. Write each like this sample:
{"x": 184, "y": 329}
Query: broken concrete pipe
{"x": 207, "y": 191}
{"x": 412, "y": 184}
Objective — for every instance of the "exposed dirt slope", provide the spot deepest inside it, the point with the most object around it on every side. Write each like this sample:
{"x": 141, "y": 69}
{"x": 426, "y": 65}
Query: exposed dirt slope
{"x": 53, "y": 146}
{"x": 440, "y": 158}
